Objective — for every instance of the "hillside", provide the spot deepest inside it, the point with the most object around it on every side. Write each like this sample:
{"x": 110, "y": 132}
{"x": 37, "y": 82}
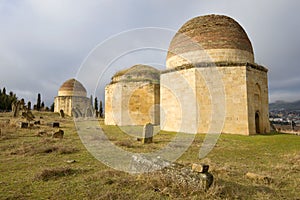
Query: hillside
{"x": 289, "y": 106}
{"x": 33, "y": 165}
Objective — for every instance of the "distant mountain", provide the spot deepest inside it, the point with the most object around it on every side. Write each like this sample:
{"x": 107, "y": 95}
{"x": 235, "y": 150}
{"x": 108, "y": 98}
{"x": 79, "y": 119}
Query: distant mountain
{"x": 289, "y": 106}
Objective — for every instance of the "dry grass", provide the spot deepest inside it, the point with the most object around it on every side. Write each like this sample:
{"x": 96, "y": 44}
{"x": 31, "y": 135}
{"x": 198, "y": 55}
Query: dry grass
{"x": 55, "y": 173}
{"x": 42, "y": 148}
{"x": 25, "y": 157}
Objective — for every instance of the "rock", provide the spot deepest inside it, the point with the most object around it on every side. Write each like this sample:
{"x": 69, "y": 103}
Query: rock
{"x": 200, "y": 168}
{"x": 71, "y": 161}
{"x": 185, "y": 176}
{"x": 41, "y": 133}
{"x": 59, "y": 134}
{"x": 173, "y": 172}
{"x": 258, "y": 177}
{"x": 141, "y": 164}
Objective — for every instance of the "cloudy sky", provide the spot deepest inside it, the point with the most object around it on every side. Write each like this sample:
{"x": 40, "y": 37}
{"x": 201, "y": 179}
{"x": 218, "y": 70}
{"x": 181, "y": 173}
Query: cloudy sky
{"x": 45, "y": 42}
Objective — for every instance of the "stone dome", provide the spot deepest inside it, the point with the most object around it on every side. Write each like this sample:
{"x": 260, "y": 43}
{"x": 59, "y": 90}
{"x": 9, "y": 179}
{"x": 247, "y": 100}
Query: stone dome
{"x": 137, "y": 73}
{"x": 72, "y": 87}
{"x": 210, "y": 38}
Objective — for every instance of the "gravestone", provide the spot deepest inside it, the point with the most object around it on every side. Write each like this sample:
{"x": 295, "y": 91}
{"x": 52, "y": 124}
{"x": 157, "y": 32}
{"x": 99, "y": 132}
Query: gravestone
{"x": 54, "y": 124}
{"x": 59, "y": 134}
{"x": 23, "y": 125}
{"x": 62, "y": 114}
{"x": 147, "y": 133}
{"x": 15, "y": 108}
{"x": 28, "y": 115}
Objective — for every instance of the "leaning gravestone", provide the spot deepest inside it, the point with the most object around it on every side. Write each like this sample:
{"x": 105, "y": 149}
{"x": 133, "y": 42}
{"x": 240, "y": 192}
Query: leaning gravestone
{"x": 59, "y": 134}
{"x": 28, "y": 115}
{"x": 147, "y": 133}
{"x": 15, "y": 108}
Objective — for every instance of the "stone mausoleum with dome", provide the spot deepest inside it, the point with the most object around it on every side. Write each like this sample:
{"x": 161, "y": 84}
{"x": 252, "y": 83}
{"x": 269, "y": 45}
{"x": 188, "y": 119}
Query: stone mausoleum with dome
{"x": 217, "y": 47}
{"x": 72, "y": 99}
{"x": 132, "y": 97}
{"x": 210, "y": 70}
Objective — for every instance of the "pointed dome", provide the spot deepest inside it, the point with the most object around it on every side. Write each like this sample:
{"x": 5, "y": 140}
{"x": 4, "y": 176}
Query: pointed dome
{"x": 72, "y": 87}
{"x": 210, "y": 38}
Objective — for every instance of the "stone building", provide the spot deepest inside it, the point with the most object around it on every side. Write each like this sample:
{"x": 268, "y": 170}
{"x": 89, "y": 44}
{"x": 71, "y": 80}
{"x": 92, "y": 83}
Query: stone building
{"x": 212, "y": 55}
{"x": 132, "y": 97}
{"x": 72, "y": 99}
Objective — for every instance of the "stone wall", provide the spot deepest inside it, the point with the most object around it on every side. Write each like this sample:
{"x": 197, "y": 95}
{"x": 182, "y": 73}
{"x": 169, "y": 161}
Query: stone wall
{"x": 178, "y": 101}
{"x": 209, "y": 55}
{"x": 197, "y": 93}
{"x": 132, "y": 103}
{"x": 258, "y": 100}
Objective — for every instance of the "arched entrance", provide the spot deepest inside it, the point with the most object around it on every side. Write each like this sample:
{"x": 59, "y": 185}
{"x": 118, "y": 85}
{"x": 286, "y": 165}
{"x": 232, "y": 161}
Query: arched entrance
{"x": 257, "y": 128}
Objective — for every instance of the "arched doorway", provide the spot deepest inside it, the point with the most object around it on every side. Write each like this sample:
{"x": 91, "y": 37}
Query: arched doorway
{"x": 257, "y": 128}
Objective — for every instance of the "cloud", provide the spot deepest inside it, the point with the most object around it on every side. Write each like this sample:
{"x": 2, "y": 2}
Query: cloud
{"x": 43, "y": 43}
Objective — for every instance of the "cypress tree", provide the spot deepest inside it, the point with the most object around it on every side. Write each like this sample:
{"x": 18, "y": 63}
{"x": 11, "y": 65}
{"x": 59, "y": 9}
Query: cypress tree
{"x": 38, "y": 104}
{"x": 96, "y": 104}
{"x": 101, "y": 109}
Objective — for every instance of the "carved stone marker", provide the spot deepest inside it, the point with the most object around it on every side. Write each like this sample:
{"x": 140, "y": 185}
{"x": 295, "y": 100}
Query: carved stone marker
{"x": 204, "y": 174}
{"x": 147, "y": 133}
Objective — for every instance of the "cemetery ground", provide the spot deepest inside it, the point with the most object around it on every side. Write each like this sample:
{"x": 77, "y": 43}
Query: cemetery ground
{"x": 42, "y": 167}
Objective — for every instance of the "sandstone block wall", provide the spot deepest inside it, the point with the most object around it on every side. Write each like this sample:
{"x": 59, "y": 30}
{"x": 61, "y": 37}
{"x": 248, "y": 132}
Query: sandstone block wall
{"x": 132, "y": 103}
{"x": 209, "y": 55}
{"x": 258, "y": 100}
{"x": 190, "y": 99}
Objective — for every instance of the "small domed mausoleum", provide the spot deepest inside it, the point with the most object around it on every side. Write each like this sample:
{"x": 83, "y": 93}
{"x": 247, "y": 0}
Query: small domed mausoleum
{"x": 72, "y": 99}
{"x": 132, "y": 97}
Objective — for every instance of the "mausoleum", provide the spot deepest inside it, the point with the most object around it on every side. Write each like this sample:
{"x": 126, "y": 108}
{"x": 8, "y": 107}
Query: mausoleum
{"x": 72, "y": 99}
{"x": 210, "y": 63}
{"x": 132, "y": 97}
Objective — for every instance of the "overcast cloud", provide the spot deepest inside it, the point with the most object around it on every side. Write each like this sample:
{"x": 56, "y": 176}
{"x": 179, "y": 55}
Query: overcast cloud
{"x": 44, "y": 42}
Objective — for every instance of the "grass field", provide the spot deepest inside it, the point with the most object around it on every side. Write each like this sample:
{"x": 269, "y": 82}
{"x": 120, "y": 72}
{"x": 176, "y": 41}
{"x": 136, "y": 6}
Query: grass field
{"x": 39, "y": 167}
